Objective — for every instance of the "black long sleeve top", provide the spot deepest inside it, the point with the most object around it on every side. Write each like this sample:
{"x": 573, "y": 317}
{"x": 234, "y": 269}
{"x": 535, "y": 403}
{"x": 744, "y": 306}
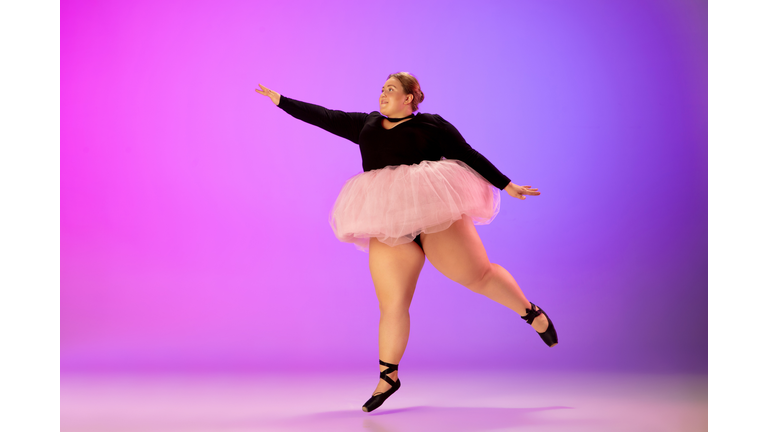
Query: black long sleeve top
{"x": 424, "y": 137}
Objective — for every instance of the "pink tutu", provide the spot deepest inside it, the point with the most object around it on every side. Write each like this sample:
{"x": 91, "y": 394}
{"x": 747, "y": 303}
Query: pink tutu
{"x": 397, "y": 203}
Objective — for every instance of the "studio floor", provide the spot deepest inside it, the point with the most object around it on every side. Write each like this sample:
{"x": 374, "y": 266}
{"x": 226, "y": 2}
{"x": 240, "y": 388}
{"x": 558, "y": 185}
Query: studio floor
{"x": 455, "y": 401}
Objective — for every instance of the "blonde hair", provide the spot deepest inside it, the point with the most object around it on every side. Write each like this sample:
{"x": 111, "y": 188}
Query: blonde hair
{"x": 410, "y": 87}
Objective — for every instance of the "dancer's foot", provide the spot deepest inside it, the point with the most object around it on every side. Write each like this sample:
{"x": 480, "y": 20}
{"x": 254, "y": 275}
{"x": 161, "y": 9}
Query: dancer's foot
{"x": 540, "y": 323}
{"x": 379, "y": 397}
{"x": 538, "y": 319}
{"x": 383, "y": 386}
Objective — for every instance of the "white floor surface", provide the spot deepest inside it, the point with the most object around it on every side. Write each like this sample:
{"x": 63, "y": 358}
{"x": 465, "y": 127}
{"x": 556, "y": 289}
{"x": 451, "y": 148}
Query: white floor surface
{"x": 458, "y": 401}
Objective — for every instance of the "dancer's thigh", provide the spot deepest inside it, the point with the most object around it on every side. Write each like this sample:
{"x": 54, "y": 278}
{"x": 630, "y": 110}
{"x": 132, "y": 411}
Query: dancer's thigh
{"x": 457, "y": 252}
{"x": 395, "y": 271}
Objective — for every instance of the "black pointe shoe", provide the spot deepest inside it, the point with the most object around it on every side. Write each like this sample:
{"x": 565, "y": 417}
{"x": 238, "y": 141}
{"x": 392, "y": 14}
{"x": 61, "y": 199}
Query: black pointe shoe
{"x": 378, "y": 398}
{"x": 550, "y": 335}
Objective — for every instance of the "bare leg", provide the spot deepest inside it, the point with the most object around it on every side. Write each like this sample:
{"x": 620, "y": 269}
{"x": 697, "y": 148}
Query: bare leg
{"x": 395, "y": 271}
{"x": 459, "y": 254}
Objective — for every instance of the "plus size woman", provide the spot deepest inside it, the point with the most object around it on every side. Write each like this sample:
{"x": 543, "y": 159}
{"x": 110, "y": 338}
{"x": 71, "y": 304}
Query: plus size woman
{"x": 422, "y": 190}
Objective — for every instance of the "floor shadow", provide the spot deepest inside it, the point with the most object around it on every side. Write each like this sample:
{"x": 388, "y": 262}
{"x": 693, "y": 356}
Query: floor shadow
{"x": 421, "y": 418}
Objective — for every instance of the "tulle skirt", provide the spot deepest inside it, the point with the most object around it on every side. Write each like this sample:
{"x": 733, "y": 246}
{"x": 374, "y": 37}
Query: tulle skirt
{"x": 397, "y": 203}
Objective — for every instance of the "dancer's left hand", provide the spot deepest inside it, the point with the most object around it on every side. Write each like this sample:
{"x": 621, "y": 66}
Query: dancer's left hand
{"x": 275, "y": 96}
{"x": 520, "y": 191}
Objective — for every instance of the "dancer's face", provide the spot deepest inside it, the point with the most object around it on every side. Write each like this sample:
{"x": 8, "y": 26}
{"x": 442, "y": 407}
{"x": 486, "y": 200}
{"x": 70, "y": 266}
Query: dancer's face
{"x": 393, "y": 102}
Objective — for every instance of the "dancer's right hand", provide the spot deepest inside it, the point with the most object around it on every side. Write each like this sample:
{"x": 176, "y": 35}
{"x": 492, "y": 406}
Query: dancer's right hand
{"x": 520, "y": 191}
{"x": 275, "y": 96}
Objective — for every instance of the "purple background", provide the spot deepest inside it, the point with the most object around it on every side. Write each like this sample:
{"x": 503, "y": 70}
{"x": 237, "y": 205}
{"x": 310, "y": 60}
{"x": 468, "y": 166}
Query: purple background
{"x": 194, "y": 231}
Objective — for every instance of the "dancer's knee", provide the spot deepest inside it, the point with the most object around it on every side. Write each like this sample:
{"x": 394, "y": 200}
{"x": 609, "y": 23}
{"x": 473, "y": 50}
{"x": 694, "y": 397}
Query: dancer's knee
{"x": 394, "y": 306}
{"x": 479, "y": 282}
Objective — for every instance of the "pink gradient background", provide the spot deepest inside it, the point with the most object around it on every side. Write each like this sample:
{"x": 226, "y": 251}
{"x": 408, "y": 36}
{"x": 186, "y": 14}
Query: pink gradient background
{"x": 194, "y": 231}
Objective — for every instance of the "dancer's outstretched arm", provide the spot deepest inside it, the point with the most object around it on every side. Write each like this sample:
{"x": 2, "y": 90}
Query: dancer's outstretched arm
{"x": 454, "y": 146}
{"x": 344, "y": 124}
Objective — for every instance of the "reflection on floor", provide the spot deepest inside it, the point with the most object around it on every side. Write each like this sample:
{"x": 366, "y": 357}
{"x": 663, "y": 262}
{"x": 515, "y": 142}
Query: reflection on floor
{"x": 456, "y": 401}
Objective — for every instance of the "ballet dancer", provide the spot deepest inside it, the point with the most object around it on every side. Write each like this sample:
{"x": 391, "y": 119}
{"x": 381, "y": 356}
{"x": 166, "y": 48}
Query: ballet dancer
{"x": 421, "y": 193}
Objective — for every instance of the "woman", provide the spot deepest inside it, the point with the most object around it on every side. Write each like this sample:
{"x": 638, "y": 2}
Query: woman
{"x": 422, "y": 189}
